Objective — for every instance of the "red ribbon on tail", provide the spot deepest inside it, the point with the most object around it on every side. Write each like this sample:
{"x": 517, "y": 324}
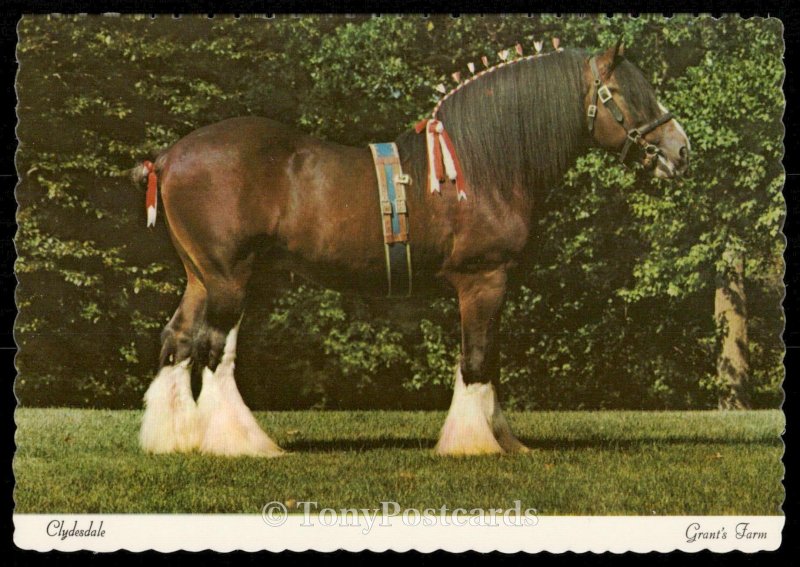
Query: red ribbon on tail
{"x": 151, "y": 197}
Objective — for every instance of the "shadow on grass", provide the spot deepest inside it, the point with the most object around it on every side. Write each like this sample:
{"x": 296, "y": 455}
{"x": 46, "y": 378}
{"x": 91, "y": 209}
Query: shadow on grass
{"x": 640, "y": 442}
{"x": 378, "y": 443}
{"x": 332, "y": 445}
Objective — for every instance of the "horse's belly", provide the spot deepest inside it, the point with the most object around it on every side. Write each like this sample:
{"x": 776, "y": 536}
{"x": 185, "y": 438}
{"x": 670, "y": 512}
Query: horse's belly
{"x": 368, "y": 278}
{"x": 334, "y": 275}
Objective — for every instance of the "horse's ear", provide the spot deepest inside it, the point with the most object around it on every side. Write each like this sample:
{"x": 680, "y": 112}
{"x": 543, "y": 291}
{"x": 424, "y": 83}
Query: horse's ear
{"x": 610, "y": 58}
{"x": 619, "y": 49}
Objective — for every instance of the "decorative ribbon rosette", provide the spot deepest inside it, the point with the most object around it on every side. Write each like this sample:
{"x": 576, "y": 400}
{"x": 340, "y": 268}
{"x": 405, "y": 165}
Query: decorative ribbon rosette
{"x": 443, "y": 162}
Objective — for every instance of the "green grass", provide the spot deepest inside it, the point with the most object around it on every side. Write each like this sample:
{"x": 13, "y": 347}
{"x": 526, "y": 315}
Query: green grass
{"x": 673, "y": 463}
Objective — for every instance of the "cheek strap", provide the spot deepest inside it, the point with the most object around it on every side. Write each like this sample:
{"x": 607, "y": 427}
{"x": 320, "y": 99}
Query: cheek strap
{"x": 599, "y": 90}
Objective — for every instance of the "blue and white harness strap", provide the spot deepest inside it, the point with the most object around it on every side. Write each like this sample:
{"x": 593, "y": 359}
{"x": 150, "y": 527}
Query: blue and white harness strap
{"x": 394, "y": 215}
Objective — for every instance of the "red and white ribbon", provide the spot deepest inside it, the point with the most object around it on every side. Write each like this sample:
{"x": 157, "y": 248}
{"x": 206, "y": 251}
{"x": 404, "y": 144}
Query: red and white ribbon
{"x": 151, "y": 197}
{"x": 442, "y": 158}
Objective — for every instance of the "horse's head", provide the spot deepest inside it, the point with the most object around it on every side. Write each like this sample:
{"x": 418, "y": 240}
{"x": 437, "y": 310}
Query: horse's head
{"x": 624, "y": 115}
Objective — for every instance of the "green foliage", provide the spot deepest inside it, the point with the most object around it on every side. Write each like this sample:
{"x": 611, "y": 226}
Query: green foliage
{"x": 615, "y": 307}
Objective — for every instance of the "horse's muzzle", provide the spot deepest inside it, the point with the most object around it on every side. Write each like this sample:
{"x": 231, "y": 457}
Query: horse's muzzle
{"x": 670, "y": 167}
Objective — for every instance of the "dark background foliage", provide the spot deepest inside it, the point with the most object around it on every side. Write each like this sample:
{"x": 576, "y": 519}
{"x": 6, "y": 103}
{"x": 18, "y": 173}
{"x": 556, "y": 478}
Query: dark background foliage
{"x": 617, "y": 312}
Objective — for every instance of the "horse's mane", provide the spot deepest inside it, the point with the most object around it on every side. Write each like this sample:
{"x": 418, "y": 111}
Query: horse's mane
{"x": 518, "y": 126}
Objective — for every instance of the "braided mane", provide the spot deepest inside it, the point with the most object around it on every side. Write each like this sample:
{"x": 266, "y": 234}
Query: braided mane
{"x": 516, "y": 126}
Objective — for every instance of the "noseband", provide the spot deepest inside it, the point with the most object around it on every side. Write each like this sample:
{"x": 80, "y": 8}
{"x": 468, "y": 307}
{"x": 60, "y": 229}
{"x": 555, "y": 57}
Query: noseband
{"x": 634, "y": 135}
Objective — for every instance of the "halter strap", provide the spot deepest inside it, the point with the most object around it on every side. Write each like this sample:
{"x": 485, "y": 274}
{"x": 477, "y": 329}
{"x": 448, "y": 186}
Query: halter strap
{"x": 634, "y": 135}
{"x": 600, "y": 90}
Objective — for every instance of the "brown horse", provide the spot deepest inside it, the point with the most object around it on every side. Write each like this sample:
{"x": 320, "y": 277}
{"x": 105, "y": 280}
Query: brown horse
{"x": 250, "y": 193}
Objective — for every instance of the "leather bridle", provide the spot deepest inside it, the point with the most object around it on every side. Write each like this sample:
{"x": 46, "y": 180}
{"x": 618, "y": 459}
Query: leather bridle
{"x": 634, "y": 135}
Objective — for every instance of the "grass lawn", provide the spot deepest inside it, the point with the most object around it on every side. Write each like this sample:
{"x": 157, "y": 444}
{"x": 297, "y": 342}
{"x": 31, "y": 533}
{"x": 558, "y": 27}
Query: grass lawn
{"x": 641, "y": 463}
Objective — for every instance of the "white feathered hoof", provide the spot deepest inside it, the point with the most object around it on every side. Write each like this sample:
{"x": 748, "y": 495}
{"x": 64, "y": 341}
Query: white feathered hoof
{"x": 230, "y": 428}
{"x": 475, "y": 424}
{"x": 170, "y": 422}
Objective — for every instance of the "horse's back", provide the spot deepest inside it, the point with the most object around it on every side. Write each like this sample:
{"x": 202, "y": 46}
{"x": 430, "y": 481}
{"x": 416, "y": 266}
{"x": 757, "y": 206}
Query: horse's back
{"x": 229, "y": 142}
{"x": 228, "y": 183}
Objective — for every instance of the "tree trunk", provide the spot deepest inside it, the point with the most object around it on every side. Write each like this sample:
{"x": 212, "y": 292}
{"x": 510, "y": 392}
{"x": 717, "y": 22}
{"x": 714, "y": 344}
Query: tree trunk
{"x": 730, "y": 313}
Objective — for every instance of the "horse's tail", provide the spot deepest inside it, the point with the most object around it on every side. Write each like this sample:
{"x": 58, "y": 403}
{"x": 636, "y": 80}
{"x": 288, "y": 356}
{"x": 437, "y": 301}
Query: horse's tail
{"x": 148, "y": 172}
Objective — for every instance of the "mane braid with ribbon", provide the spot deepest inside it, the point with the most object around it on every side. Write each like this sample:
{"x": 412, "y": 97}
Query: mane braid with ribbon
{"x": 514, "y": 126}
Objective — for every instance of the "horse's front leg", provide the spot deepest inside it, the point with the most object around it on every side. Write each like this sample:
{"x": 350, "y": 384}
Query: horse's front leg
{"x": 475, "y": 423}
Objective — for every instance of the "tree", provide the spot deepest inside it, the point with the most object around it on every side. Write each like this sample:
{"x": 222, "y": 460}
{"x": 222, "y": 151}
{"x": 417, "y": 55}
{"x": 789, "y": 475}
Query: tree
{"x": 730, "y": 313}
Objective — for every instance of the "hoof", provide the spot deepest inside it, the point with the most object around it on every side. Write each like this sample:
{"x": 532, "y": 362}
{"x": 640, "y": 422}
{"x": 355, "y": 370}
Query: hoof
{"x": 475, "y": 424}
{"x": 457, "y": 440}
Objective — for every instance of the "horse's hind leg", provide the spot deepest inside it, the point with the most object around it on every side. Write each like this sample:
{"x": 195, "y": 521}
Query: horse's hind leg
{"x": 475, "y": 423}
{"x": 171, "y": 420}
{"x": 229, "y": 428}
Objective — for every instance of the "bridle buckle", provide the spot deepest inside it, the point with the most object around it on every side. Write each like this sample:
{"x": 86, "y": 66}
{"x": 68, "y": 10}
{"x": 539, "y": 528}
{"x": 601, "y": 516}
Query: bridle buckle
{"x": 652, "y": 150}
{"x": 604, "y": 94}
{"x": 591, "y": 112}
{"x": 634, "y": 135}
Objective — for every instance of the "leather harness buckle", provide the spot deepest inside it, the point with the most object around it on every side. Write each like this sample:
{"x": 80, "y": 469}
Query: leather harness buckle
{"x": 591, "y": 112}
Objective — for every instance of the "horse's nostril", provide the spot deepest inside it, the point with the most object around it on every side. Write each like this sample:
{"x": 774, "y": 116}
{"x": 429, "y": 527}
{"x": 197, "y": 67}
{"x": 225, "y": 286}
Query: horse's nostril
{"x": 684, "y": 152}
